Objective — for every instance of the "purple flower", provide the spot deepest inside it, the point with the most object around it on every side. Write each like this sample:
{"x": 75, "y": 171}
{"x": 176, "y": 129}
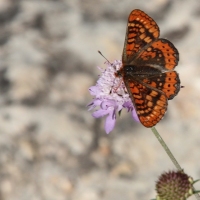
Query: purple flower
{"x": 110, "y": 96}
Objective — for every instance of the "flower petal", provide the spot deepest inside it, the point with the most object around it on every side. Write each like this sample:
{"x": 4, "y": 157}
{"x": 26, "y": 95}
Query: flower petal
{"x": 100, "y": 113}
{"x": 108, "y": 103}
{"x": 94, "y": 90}
{"x": 110, "y": 96}
{"x": 110, "y": 122}
{"x": 93, "y": 104}
{"x": 135, "y": 116}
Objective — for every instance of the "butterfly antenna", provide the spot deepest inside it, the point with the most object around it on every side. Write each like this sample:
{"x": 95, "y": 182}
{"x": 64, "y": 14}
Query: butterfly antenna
{"x": 104, "y": 56}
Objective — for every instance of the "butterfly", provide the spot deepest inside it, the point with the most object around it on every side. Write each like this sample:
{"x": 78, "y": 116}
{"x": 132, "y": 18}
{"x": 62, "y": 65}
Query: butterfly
{"x": 147, "y": 70}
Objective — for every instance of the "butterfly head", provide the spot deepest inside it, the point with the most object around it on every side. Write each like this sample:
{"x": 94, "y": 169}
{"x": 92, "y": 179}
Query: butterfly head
{"x": 120, "y": 73}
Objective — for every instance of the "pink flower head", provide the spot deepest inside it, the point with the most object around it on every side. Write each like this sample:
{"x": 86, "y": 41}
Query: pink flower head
{"x": 110, "y": 96}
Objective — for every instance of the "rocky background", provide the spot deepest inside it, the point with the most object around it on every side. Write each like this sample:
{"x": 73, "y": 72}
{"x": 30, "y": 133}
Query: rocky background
{"x": 51, "y": 148}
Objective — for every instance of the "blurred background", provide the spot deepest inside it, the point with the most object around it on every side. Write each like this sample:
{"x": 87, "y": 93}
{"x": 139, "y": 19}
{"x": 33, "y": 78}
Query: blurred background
{"x": 51, "y": 148}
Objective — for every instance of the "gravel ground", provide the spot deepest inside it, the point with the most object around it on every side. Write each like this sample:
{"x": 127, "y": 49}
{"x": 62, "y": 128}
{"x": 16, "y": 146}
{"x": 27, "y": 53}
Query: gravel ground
{"x": 51, "y": 148}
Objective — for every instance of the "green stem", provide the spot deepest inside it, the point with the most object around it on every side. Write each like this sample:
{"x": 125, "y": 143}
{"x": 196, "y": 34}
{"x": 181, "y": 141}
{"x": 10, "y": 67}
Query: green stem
{"x": 167, "y": 150}
{"x": 169, "y": 153}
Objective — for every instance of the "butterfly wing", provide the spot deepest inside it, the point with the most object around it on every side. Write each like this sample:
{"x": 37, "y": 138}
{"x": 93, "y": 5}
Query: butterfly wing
{"x": 150, "y": 103}
{"x": 147, "y": 70}
{"x": 160, "y": 54}
{"x": 141, "y": 30}
{"x": 167, "y": 82}
{"x": 156, "y": 62}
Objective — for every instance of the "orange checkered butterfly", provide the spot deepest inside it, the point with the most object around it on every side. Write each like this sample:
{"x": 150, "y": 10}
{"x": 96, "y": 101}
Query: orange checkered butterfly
{"x": 148, "y": 68}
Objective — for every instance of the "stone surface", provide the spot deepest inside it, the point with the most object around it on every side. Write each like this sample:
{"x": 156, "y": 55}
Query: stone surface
{"x": 51, "y": 147}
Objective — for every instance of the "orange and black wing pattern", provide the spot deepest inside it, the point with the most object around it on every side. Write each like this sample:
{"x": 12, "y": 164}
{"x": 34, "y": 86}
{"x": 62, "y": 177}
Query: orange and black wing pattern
{"x": 150, "y": 103}
{"x": 148, "y": 68}
{"x": 141, "y": 30}
{"x": 161, "y": 53}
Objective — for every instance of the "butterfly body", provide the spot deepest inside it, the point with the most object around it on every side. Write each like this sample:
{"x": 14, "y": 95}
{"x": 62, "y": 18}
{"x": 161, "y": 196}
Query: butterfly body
{"x": 148, "y": 68}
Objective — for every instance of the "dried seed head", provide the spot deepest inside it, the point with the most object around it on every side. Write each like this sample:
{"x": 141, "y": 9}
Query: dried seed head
{"x": 174, "y": 186}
